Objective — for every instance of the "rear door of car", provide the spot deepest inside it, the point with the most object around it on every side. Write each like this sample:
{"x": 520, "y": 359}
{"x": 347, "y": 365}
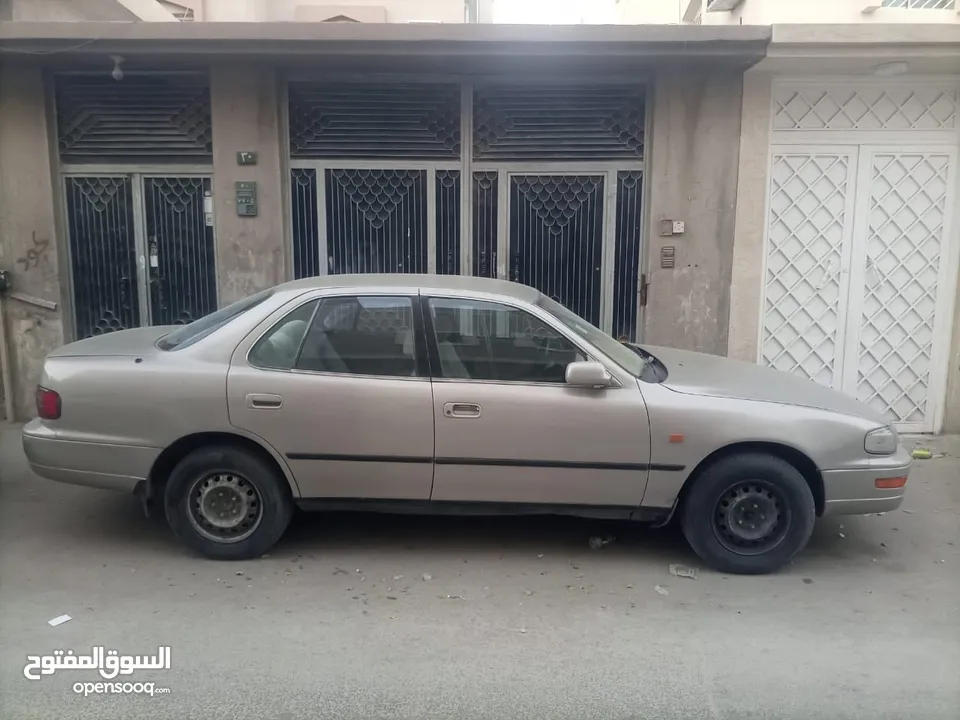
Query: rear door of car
{"x": 508, "y": 427}
{"x": 339, "y": 385}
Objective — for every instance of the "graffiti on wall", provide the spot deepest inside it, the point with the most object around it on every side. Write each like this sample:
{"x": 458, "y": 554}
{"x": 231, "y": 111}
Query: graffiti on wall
{"x": 37, "y": 258}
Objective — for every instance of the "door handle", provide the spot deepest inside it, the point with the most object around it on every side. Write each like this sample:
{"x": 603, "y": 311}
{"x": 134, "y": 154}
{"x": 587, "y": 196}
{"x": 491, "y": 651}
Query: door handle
{"x": 461, "y": 410}
{"x": 264, "y": 401}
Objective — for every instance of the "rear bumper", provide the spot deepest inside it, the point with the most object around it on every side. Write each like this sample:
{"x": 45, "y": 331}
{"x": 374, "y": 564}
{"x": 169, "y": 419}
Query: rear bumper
{"x": 853, "y": 491}
{"x": 99, "y": 465}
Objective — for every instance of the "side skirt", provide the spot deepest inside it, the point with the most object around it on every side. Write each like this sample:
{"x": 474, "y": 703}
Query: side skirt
{"x": 426, "y": 507}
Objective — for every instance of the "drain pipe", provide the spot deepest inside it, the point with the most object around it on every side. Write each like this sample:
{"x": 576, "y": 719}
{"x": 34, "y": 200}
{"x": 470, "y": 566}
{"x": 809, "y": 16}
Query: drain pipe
{"x": 7, "y": 375}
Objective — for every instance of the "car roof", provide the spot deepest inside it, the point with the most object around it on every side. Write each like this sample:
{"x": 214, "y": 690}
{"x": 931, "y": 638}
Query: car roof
{"x": 414, "y": 283}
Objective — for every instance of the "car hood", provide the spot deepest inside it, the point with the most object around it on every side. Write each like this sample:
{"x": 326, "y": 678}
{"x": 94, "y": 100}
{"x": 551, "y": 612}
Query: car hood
{"x": 701, "y": 374}
{"x": 133, "y": 343}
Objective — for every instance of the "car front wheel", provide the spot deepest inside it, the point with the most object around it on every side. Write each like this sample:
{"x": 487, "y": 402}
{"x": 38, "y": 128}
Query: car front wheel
{"x": 749, "y": 514}
{"x": 227, "y": 503}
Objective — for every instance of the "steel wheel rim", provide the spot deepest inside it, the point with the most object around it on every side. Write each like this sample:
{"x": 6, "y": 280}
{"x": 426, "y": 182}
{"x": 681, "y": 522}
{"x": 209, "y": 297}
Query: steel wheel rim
{"x": 751, "y": 517}
{"x": 225, "y": 507}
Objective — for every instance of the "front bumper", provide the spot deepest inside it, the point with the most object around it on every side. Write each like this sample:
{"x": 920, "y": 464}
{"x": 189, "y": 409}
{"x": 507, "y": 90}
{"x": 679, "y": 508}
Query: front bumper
{"x": 853, "y": 490}
{"x": 99, "y": 465}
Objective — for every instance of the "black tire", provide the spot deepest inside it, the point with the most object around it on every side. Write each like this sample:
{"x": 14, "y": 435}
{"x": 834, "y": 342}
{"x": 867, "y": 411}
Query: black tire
{"x": 236, "y": 472}
{"x": 731, "y": 490}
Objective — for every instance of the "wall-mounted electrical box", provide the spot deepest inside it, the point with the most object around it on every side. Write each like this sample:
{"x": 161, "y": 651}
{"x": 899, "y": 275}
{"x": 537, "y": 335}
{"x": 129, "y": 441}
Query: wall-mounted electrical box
{"x": 671, "y": 227}
{"x": 247, "y": 198}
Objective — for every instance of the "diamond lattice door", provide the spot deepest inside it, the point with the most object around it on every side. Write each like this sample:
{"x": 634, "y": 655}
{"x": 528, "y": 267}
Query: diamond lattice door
{"x": 810, "y": 226}
{"x": 904, "y": 264}
{"x": 860, "y": 274}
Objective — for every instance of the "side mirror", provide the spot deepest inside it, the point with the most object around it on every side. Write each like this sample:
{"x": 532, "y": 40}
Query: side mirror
{"x": 588, "y": 374}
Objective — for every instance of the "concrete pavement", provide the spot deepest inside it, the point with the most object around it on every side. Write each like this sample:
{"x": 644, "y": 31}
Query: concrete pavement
{"x": 363, "y": 617}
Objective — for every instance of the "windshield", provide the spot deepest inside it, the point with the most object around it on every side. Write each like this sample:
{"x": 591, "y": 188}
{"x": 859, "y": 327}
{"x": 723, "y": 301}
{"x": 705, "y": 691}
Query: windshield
{"x": 613, "y": 349}
{"x": 199, "y": 329}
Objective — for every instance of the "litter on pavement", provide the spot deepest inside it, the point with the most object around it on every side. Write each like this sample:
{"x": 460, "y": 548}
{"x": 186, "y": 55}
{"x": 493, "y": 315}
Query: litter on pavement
{"x": 597, "y": 542}
{"x": 683, "y": 571}
{"x": 59, "y": 620}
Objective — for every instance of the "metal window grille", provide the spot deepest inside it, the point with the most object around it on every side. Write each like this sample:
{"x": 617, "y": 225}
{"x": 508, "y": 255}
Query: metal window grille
{"x": 144, "y": 118}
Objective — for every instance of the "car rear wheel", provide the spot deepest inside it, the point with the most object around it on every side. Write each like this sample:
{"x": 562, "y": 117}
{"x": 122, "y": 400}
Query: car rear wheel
{"x": 749, "y": 514}
{"x": 227, "y": 503}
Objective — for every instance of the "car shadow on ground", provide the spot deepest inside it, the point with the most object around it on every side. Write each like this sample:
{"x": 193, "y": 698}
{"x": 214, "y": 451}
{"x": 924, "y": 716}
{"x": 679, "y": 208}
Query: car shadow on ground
{"x": 103, "y": 518}
{"x": 523, "y": 535}
{"x": 80, "y": 517}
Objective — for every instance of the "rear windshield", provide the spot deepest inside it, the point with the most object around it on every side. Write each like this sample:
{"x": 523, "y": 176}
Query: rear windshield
{"x": 199, "y": 329}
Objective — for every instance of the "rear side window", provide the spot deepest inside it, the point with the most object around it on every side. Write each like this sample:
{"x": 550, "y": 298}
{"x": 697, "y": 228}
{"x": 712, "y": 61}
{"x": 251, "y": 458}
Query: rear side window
{"x": 280, "y": 345}
{"x": 199, "y": 329}
{"x": 362, "y": 335}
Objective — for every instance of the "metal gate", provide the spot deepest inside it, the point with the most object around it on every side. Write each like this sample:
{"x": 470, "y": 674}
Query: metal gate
{"x": 554, "y": 197}
{"x": 140, "y": 233}
{"x": 141, "y": 250}
{"x": 556, "y": 238}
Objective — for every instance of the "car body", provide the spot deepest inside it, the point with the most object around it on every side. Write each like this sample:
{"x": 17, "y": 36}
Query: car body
{"x": 431, "y": 393}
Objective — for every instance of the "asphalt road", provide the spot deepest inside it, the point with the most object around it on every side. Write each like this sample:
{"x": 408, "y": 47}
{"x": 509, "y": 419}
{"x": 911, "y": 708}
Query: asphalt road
{"x": 364, "y": 617}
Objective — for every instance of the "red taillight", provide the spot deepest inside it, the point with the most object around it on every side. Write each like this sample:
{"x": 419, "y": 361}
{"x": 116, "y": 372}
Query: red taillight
{"x": 48, "y": 403}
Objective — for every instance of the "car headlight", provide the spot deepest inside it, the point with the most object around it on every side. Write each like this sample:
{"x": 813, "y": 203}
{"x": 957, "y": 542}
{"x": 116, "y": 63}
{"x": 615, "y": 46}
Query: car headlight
{"x": 882, "y": 441}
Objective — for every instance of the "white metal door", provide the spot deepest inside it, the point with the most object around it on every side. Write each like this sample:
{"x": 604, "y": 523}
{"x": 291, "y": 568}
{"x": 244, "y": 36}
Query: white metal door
{"x": 809, "y": 231}
{"x": 903, "y": 278}
{"x": 860, "y": 274}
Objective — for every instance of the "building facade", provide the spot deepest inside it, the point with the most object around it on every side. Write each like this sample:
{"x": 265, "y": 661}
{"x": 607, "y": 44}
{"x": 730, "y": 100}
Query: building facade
{"x": 693, "y": 187}
{"x": 369, "y": 11}
{"x": 772, "y": 12}
{"x": 847, "y": 250}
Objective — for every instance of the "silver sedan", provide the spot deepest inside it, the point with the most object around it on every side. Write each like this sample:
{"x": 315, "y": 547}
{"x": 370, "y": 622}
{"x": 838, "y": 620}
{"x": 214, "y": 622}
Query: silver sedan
{"x": 451, "y": 394}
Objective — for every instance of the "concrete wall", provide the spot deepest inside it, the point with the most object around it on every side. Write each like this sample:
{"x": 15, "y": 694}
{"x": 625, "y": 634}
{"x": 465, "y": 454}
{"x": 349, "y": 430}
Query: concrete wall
{"x": 396, "y": 11}
{"x": 28, "y": 238}
{"x": 250, "y": 250}
{"x": 746, "y": 281}
{"x": 692, "y": 175}
{"x": 657, "y": 12}
{"x": 951, "y": 419}
{"x": 769, "y": 12}
{"x": 67, "y": 10}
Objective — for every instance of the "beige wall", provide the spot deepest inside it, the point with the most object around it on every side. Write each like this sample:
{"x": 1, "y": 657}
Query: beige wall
{"x": 656, "y": 12}
{"x": 67, "y": 10}
{"x": 746, "y": 281}
{"x": 396, "y": 11}
{"x": 28, "y": 238}
{"x": 951, "y": 419}
{"x": 769, "y": 12}
{"x": 692, "y": 175}
{"x": 250, "y": 250}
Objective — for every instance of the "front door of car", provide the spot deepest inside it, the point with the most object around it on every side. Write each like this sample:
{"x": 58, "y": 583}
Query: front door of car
{"x": 509, "y": 428}
{"x": 340, "y": 388}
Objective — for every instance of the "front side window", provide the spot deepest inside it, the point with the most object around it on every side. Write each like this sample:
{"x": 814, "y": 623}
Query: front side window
{"x": 613, "y": 349}
{"x": 279, "y": 346}
{"x": 365, "y": 335}
{"x": 478, "y": 340}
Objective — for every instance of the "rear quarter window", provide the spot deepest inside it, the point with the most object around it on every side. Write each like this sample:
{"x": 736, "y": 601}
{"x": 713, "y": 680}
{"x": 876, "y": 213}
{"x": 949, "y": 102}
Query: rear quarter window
{"x": 199, "y": 329}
